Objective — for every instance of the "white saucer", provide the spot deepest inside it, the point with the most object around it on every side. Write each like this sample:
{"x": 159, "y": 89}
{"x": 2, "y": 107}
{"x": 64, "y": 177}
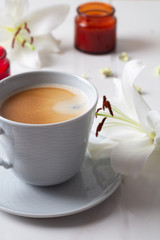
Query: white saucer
{"x": 94, "y": 183}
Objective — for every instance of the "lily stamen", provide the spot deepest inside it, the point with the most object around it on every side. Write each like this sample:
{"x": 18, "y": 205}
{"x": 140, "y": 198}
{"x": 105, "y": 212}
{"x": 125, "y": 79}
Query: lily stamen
{"x": 23, "y": 43}
{"x": 15, "y": 35}
{"x": 98, "y": 109}
{"x": 21, "y": 39}
{"x": 26, "y": 27}
{"x": 32, "y": 40}
{"x": 125, "y": 120}
{"x": 106, "y": 104}
{"x": 100, "y": 125}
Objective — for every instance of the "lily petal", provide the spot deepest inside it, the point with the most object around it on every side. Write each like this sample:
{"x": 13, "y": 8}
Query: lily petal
{"x": 134, "y": 100}
{"x": 157, "y": 137}
{"x": 130, "y": 72}
{"x": 100, "y": 148}
{"x": 27, "y": 58}
{"x": 119, "y": 99}
{"x": 129, "y": 157}
{"x": 152, "y": 168}
{"x": 154, "y": 119}
{"x": 7, "y": 19}
{"x": 17, "y": 8}
{"x": 4, "y": 35}
{"x": 47, "y": 19}
{"x": 142, "y": 110}
{"x": 46, "y": 43}
{"x": 31, "y": 59}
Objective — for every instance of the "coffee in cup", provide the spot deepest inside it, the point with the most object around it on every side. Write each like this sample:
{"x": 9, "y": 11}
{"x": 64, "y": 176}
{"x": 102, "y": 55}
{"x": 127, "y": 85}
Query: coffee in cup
{"x": 45, "y": 104}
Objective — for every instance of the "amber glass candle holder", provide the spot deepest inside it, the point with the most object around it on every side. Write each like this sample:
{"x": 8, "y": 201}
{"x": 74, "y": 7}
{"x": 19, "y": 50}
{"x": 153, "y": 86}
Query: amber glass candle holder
{"x": 95, "y": 28}
{"x": 4, "y": 64}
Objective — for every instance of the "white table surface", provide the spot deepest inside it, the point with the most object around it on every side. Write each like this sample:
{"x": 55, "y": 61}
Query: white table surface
{"x": 133, "y": 211}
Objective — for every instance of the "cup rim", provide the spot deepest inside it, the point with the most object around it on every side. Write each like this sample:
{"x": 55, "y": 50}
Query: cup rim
{"x": 11, "y": 122}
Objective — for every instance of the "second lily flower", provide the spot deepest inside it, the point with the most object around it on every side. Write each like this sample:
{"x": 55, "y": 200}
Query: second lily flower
{"x": 26, "y": 35}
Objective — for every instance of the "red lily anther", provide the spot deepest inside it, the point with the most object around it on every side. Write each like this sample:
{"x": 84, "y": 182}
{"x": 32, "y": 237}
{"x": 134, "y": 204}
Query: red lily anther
{"x": 32, "y": 39}
{"x": 26, "y": 27}
{"x": 99, "y": 127}
{"x": 14, "y": 38}
{"x": 98, "y": 109}
{"x": 106, "y": 104}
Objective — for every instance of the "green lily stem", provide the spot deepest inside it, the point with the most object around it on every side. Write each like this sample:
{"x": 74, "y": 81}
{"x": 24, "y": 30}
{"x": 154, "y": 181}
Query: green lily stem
{"x": 115, "y": 109}
{"x": 128, "y": 120}
{"x": 129, "y": 123}
{"x": 114, "y": 124}
{"x": 27, "y": 44}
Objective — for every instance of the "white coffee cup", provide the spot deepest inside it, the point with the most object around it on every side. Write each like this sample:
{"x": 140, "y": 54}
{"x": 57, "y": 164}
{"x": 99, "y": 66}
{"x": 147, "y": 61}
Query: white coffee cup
{"x": 46, "y": 154}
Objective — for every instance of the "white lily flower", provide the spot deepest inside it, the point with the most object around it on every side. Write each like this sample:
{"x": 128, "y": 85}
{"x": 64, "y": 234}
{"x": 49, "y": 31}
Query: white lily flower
{"x": 132, "y": 134}
{"x": 25, "y": 35}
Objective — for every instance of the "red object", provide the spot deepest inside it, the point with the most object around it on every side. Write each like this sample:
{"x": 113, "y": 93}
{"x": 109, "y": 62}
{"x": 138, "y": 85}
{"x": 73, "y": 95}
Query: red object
{"x": 95, "y": 28}
{"x": 4, "y": 64}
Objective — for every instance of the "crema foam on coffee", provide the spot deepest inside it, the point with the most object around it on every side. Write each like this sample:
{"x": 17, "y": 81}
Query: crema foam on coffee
{"x": 44, "y": 104}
